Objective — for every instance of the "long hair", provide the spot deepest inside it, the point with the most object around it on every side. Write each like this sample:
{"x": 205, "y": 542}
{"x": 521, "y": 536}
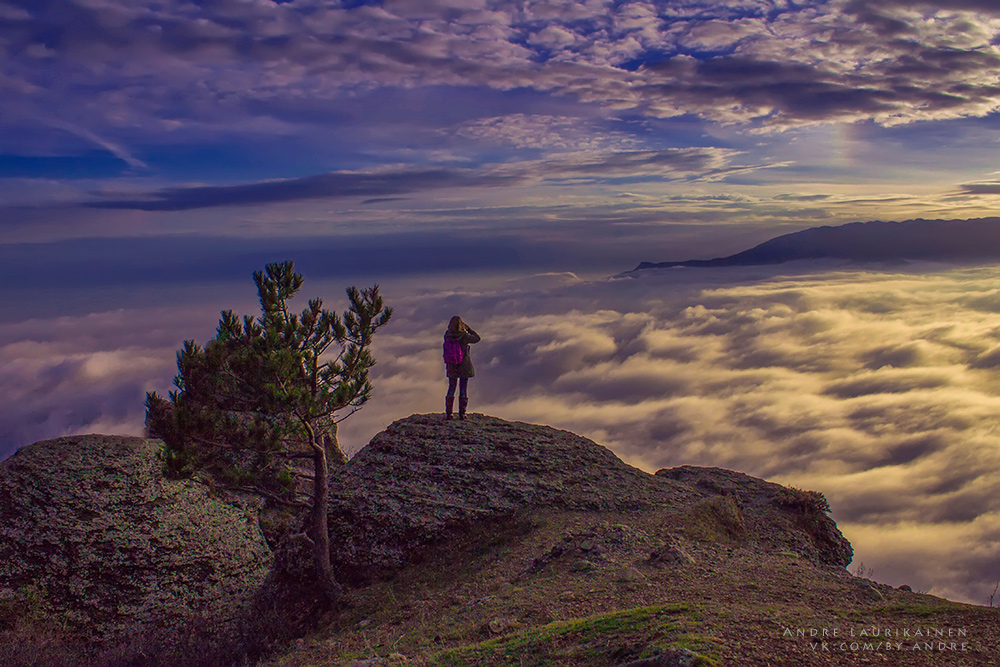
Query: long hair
{"x": 456, "y": 324}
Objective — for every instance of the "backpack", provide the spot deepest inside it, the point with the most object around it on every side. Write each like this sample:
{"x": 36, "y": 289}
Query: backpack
{"x": 453, "y": 353}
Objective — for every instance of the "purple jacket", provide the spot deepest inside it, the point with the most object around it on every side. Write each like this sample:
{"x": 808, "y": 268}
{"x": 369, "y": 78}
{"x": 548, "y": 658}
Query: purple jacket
{"x": 465, "y": 339}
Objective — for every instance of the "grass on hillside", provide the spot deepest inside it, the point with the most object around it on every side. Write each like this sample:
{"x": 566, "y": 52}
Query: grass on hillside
{"x": 575, "y": 589}
{"x": 602, "y": 639}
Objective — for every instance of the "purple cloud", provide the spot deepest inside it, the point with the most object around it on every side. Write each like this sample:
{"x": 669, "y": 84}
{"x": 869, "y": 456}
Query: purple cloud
{"x": 186, "y": 66}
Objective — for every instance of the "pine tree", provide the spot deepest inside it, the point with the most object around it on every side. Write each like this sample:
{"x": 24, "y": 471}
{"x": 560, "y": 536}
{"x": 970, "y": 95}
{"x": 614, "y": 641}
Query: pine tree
{"x": 267, "y": 391}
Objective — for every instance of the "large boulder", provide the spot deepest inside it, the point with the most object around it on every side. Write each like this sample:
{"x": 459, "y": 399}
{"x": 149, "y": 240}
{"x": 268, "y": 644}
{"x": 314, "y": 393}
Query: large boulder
{"x": 115, "y": 549}
{"x": 423, "y": 479}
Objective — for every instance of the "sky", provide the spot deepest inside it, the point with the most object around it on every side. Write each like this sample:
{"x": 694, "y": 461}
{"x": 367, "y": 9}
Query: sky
{"x": 503, "y": 160}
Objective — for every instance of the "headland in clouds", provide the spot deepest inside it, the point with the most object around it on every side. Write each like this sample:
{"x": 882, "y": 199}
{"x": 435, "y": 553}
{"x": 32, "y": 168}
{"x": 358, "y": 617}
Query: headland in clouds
{"x": 876, "y": 241}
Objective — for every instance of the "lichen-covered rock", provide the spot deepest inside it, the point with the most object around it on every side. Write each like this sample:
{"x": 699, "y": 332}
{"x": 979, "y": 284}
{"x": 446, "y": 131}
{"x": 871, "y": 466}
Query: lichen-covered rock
{"x": 90, "y": 522}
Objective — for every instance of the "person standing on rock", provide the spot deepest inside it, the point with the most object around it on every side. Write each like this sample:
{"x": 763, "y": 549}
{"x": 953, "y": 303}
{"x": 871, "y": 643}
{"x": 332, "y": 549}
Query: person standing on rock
{"x": 458, "y": 364}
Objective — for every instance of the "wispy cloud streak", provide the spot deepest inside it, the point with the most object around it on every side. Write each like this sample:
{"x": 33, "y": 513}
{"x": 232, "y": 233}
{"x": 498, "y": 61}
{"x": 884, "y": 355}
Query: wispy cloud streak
{"x": 321, "y": 186}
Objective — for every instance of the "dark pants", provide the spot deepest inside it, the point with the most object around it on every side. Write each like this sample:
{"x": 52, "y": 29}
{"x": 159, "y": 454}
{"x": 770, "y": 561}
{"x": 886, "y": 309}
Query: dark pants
{"x": 463, "y": 386}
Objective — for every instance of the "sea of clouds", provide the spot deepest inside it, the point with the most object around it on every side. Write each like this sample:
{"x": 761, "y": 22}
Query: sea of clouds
{"x": 878, "y": 387}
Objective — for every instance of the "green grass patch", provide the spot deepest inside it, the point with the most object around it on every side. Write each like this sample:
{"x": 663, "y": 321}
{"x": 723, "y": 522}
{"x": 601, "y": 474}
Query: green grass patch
{"x": 916, "y": 609}
{"x": 603, "y": 639}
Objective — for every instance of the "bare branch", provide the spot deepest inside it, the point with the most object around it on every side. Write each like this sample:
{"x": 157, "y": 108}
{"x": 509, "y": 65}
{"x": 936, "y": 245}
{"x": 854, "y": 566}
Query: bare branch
{"x": 298, "y": 455}
{"x": 269, "y": 495}
{"x": 224, "y": 445}
{"x": 353, "y": 410}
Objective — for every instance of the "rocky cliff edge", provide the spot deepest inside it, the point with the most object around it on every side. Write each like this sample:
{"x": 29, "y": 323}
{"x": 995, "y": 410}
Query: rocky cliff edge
{"x": 117, "y": 549}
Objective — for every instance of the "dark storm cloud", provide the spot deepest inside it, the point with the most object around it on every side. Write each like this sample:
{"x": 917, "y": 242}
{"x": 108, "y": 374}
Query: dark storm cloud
{"x": 883, "y": 25}
{"x": 378, "y": 186}
{"x": 981, "y": 188}
{"x": 987, "y": 6}
{"x": 790, "y": 93}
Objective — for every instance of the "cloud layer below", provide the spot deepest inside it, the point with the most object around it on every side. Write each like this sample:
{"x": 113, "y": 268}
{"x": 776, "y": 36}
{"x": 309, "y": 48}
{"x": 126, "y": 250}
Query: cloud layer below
{"x": 879, "y": 388}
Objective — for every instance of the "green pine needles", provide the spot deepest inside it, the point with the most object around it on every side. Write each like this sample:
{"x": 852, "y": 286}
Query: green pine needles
{"x": 267, "y": 391}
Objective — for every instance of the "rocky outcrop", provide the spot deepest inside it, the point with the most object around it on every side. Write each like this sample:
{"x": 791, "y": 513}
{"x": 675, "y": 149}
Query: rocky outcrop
{"x": 423, "y": 478}
{"x": 772, "y": 516}
{"x": 91, "y": 524}
{"x": 875, "y": 241}
{"x": 117, "y": 549}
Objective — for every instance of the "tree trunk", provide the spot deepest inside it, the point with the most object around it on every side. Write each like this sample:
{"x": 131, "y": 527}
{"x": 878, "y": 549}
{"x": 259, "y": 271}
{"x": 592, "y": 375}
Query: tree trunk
{"x": 335, "y": 456}
{"x": 320, "y": 523}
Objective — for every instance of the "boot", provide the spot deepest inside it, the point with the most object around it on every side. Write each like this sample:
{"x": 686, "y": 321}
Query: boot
{"x": 463, "y": 402}
{"x": 449, "y": 404}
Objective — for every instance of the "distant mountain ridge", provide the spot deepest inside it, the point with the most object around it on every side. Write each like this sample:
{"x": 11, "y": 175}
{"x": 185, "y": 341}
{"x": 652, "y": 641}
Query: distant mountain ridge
{"x": 877, "y": 241}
